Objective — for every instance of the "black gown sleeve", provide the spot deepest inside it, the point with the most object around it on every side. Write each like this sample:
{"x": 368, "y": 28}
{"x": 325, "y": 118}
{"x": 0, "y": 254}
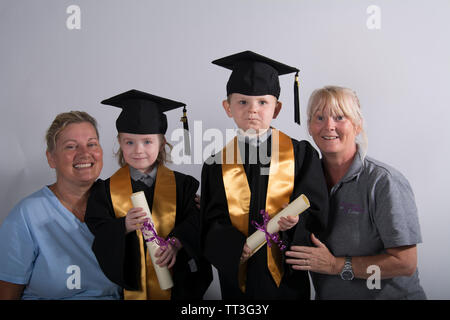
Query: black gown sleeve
{"x": 222, "y": 242}
{"x": 310, "y": 181}
{"x": 116, "y": 252}
{"x": 187, "y": 227}
{"x": 192, "y": 272}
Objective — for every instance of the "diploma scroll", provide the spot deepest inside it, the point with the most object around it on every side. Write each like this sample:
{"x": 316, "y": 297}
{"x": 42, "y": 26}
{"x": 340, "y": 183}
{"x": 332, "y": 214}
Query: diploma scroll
{"x": 162, "y": 273}
{"x": 296, "y": 207}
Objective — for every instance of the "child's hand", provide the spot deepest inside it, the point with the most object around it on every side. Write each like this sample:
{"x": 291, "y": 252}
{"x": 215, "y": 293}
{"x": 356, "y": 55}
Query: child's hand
{"x": 134, "y": 219}
{"x": 168, "y": 255}
{"x": 287, "y": 223}
{"x": 246, "y": 253}
{"x": 197, "y": 201}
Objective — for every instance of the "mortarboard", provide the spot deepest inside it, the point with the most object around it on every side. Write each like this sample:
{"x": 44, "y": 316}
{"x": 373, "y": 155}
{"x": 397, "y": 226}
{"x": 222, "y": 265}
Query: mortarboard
{"x": 255, "y": 75}
{"x": 143, "y": 113}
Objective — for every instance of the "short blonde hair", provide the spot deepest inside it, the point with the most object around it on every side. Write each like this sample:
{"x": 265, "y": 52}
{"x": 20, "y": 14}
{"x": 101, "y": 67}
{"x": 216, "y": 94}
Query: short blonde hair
{"x": 341, "y": 102}
{"x": 163, "y": 155}
{"x": 64, "y": 119}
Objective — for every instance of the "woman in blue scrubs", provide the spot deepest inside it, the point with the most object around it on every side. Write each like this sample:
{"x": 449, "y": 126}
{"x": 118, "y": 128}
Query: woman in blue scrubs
{"x": 45, "y": 244}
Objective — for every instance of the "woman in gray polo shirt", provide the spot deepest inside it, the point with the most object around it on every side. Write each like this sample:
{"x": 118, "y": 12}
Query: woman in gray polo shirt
{"x": 369, "y": 250}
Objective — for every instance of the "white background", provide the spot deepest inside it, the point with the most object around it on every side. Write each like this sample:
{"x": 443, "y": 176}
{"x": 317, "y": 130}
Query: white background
{"x": 401, "y": 73}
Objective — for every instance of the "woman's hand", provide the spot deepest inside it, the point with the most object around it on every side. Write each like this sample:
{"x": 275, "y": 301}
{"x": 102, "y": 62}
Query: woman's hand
{"x": 134, "y": 219}
{"x": 167, "y": 256}
{"x": 316, "y": 259}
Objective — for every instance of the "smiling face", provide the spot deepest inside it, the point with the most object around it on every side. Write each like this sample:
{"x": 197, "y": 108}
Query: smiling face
{"x": 140, "y": 150}
{"x": 252, "y": 112}
{"x": 333, "y": 133}
{"x": 335, "y": 121}
{"x": 77, "y": 156}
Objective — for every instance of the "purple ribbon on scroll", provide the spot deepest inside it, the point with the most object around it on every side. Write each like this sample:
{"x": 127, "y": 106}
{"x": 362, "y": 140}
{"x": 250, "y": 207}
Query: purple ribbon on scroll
{"x": 149, "y": 230}
{"x": 269, "y": 236}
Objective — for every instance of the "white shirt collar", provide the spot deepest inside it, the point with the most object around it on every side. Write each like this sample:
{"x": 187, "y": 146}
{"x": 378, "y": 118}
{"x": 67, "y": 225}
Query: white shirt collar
{"x": 147, "y": 178}
{"x": 253, "y": 138}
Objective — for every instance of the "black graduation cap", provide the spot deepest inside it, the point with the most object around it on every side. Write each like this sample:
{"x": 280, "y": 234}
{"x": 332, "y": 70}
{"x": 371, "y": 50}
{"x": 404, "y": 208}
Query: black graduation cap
{"x": 143, "y": 113}
{"x": 256, "y": 75}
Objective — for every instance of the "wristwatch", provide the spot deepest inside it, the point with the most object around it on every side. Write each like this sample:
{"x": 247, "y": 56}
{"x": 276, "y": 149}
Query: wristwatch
{"x": 347, "y": 271}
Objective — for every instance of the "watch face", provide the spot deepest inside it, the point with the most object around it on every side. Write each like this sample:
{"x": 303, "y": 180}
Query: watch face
{"x": 347, "y": 275}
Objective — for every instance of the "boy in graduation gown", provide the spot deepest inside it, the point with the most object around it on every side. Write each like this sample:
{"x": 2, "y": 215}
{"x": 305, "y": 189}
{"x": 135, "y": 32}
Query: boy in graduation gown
{"x": 118, "y": 244}
{"x": 267, "y": 170}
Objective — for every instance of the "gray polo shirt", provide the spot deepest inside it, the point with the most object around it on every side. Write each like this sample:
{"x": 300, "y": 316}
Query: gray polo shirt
{"x": 372, "y": 208}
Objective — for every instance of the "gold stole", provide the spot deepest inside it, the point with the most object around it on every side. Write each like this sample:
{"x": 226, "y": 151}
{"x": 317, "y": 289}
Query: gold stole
{"x": 279, "y": 190}
{"x": 163, "y": 215}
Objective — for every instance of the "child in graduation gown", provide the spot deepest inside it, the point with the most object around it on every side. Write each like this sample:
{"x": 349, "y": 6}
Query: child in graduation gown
{"x": 118, "y": 244}
{"x": 275, "y": 169}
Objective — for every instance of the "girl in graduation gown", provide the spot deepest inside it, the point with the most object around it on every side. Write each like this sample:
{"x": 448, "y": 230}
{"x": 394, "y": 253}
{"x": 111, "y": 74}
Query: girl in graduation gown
{"x": 118, "y": 244}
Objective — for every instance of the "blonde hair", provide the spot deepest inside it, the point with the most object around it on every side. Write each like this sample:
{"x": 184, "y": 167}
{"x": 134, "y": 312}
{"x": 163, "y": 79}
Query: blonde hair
{"x": 341, "y": 102}
{"x": 64, "y": 119}
{"x": 163, "y": 155}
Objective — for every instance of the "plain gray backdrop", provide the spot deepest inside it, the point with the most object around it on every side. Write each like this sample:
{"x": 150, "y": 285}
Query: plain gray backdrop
{"x": 400, "y": 71}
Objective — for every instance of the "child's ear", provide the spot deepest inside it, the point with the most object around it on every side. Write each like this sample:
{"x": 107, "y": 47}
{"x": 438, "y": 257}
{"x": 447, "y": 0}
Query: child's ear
{"x": 277, "y": 109}
{"x": 226, "y": 107}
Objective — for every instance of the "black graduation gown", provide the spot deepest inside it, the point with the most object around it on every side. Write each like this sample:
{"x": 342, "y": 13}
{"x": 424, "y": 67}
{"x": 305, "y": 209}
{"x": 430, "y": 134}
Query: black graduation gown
{"x": 223, "y": 243}
{"x": 118, "y": 254}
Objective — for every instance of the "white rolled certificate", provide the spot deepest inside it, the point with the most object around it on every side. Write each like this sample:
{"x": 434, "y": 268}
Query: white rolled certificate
{"x": 162, "y": 273}
{"x": 296, "y": 207}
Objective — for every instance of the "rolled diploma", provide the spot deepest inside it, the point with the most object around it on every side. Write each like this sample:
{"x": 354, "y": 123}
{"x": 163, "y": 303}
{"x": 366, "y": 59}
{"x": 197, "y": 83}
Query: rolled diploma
{"x": 162, "y": 273}
{"x": 296, "y": 207}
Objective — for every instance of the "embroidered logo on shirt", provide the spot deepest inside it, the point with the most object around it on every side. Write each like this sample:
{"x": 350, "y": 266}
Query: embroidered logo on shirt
{"x": 350, "y": 208}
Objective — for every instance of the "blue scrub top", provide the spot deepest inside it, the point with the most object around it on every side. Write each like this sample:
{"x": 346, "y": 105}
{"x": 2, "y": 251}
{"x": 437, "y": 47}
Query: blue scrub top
{"x": 45, "y": 247}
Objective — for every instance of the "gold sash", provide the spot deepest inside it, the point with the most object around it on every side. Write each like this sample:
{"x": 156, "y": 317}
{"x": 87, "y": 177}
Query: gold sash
{"x": 279, "y": 190}
{"x": 163, "y": 215}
